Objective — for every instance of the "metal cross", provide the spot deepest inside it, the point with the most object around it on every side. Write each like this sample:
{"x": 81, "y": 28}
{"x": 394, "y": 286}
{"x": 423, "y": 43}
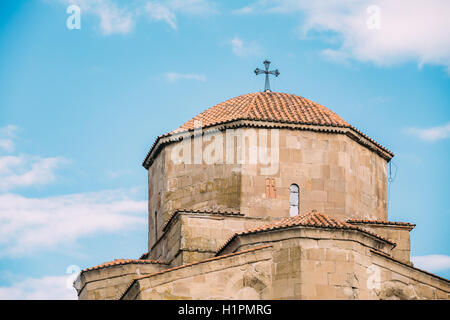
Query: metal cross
{"x": 275, "y": 72}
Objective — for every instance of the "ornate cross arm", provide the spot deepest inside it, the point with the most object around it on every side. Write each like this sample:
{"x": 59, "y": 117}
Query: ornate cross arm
{"x": 275, "y": 72}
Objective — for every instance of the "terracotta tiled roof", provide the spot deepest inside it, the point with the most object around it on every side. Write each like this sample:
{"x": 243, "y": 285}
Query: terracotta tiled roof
{"x": 312, "y": 219}
{"x": 267, "y": 106}
{"x": 275, "y": 107}
{"x": 195, "y": 263}
{"x": 117, "y": 262}
{"x": 383, "y": 222}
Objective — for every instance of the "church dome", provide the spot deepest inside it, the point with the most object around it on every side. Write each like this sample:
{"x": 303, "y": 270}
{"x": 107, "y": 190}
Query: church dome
{"x": 272, "y": 108}
{"x": 267, "y": 106}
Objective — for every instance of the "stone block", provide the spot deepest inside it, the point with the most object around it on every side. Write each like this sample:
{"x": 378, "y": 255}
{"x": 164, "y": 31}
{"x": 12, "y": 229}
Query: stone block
{"x": 325, "y": 292}
{"x": 336, "y": 255}
{"x": 315, "y": 254}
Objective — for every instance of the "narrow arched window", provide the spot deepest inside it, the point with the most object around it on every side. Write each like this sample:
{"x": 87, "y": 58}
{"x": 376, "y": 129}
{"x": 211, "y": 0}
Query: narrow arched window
{"x": 293, "y": 200}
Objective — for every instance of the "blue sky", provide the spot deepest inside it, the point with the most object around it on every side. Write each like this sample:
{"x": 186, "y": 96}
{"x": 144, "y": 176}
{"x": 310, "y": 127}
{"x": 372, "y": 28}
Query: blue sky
{"x": 79, "y": 109}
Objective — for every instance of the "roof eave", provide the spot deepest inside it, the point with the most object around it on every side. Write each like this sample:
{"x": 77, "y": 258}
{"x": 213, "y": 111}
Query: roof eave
{"x": 236, "y": 236}
{"x": 350, "y": 131}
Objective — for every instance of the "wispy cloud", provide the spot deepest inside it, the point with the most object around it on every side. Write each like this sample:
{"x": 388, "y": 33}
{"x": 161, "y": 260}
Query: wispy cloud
{"x": 30, "y": 223}
{"x": 432, "y": 263}
{"x": 114, "y": 174}
{"x": 244, "y": 10}
{"x": 7, "y": 135}
{"x": 9, "y": 130}
{"x": 408, "y": 29}
{"x": 7, "y": 145}
{"x": 26, "y": 171}
{"x": 120, "y": 17}
{"x": 167, "y": 10}
{"x": 430, "y": 134}
{"x": 336, "y": 56}
{"x": 194, "y": 7}
{"x": 173, "y": 76}
{"x": 159, "y": 12}
{"x": 114, "y": 19}
{"x": 242, "y": 48}
{"x": 45, "y": 288}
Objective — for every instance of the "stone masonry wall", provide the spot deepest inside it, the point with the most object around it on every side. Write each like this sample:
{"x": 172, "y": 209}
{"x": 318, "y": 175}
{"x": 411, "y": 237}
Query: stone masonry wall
{"x": 336, "y": 176}
{"x": 398, "y": 234}
{"x": 325, "y": 264}
{"x": 107, "y": 283}
{"x": 156, "y": 206}
{"x": 189, "y": 186}
{"x": 193, "y": 237}
{"x": 396, "y": 281}
{"x": 242, "y": 276}
{"x": 321, "y": 264}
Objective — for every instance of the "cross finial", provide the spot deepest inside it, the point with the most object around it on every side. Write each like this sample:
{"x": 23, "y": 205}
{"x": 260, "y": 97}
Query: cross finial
{"x": 275, "y": 72}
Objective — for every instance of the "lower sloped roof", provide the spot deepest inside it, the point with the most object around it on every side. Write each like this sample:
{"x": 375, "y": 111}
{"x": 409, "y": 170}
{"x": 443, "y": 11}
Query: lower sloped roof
{"x": 117, "y": 262}
{"x": 311, "y": 219}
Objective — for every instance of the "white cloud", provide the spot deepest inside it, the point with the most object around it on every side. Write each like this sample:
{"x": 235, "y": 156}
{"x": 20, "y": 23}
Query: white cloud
{"x": 113, "y": 19}
{"x": 9, "y": 130}
{"x": 432, "y": 263}
{"x": 430, "y": 134}
{"x": 45, "y": 288}
{"x": 123, "y": 18}
{"x": 114, "y": 174}
{"x": 42, "y": 223}
{"x": 244, "y": 10}
{"x": 25, "y": 171}
{"x": 244, "y": 49}
{"x": 166, "y": 10}
{"x": 173, "y": 76}
{"x": 193, "y": 7}
{"x": 335, "y": 55}
{"x": 6, "y": 137}
{"x": 409, "y": 29}
{"x": 159, "y": 12}
{"x": 7, "y": 145}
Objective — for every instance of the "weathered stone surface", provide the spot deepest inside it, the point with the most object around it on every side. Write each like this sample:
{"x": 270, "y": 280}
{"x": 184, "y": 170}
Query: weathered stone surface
{"x": 335, "y": 174}
{"x": 296, "y": 268}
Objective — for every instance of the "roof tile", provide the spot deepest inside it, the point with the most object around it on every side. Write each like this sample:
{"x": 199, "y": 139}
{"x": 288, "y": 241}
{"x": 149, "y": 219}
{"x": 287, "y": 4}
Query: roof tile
{"x": 383, "y": 222}
{"x": 117, "y": 262}
{"x": 312, "y": 219}
{"x": 267, "y": 106}
{"x": 275, "y": 107}
{"x": 195, "y": 263}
